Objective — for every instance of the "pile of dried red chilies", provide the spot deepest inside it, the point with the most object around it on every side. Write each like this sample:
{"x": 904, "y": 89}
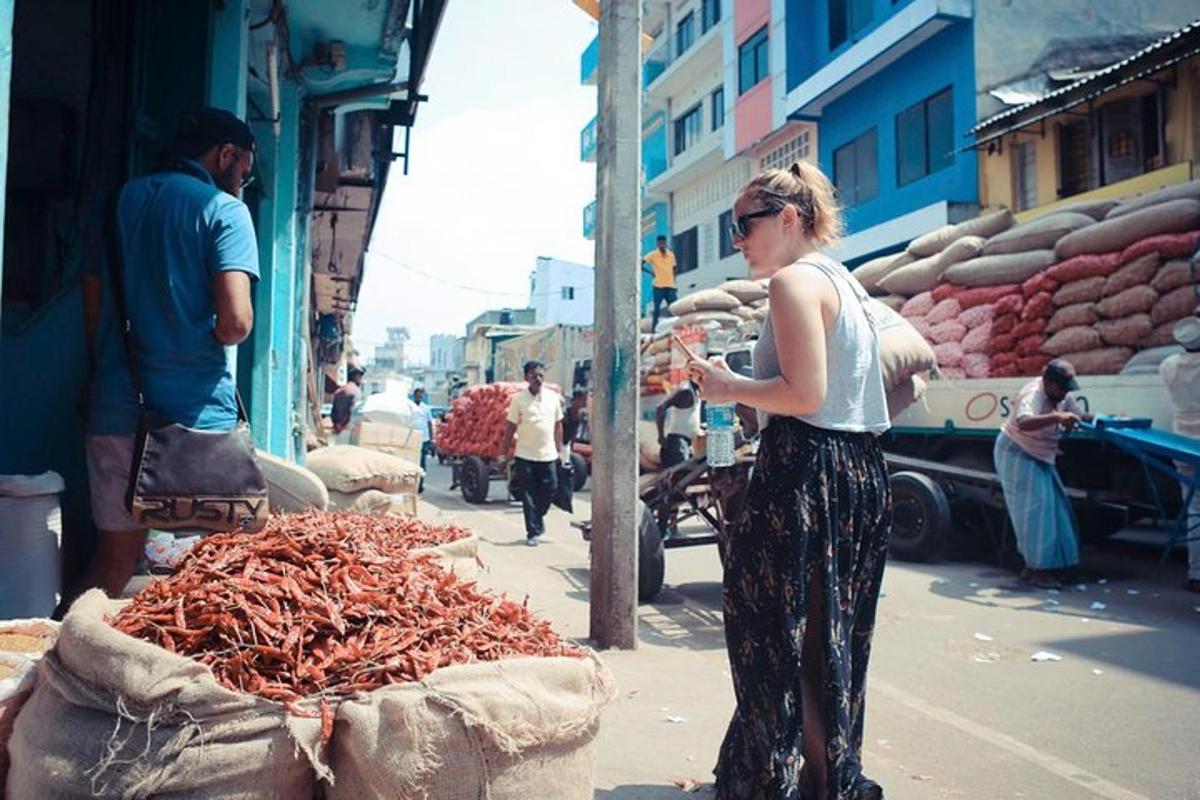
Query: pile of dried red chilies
{"x": 324, "y": 605}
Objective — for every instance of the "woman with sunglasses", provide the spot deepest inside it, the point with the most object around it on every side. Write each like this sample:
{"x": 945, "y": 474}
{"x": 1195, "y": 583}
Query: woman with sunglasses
{"x": 805, "y": 557}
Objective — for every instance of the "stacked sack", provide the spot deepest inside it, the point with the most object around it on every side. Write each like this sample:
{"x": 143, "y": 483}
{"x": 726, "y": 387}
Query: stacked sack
{"x": 363, "y": 481}
{"x": 1094, "y": 283}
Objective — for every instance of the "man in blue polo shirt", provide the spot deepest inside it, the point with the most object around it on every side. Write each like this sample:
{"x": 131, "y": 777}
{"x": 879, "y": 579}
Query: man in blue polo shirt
{"x": 189, "y": 256}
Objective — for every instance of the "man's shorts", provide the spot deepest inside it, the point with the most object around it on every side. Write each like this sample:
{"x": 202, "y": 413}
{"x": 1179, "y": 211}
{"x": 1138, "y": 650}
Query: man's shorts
{"x": 109, "y": 459}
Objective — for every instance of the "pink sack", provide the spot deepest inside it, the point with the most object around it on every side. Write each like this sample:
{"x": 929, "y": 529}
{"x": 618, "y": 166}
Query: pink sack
{"x": 1085, "y": 266}
{"x": 986, "y": 294}
{"x": 977, "y": 315}
{"x": 948, "y": 331}
{"x": 1010, "y": 304}
{"x": 1039, "y": 283}
{"x": 944, "y": 291}
{"x": 1029, "y": 327}
{"x": 949, "y": 354}
{"x": 1001, "y": 360}
{"x": 945, "y": 310}
{"x": 975, "y": 365}
{"x": 1040, "y": 306}
{"x": 1032, "y": 365}
{"x": 1007, "y": 371}
{"x": 1167, "y": 245}
{"x": 922, "y": 327}
{"x": 976, "y": 340}
{"x": 1030, "y": 345}
{"x": 1004, "y": 343}
{"x": 1004, "y": 323}
{"x": 918, "y": 305}
{"x": 953, "y": 373}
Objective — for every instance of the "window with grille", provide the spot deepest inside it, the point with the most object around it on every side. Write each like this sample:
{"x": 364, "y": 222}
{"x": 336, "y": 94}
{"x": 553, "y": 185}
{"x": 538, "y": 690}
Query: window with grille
{"x": 753, "y": 61}
{"x": 1024, "y": 162}
{"x": 688, "y": 129}
{"x": 710, "y": 14}
{"x": 795, "y": 149}
{"x": 856, "y": 169}
{"x": 925, "y": 137}
{"x": 687, "y": 250}
{"x": 685, "y": 34}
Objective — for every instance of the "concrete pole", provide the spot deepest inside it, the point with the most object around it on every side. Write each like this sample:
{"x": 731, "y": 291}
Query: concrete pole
{"x": 615, "y": 374}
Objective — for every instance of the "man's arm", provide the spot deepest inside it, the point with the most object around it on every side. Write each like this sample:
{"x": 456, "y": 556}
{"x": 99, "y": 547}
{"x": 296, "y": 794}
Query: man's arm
{"x": 235, "y": 311}
{"x": 558, "y": 436}
{"x": 510, "y": 428}
{"x": 1034, "y": 422}
{"x": 660, "y": 418}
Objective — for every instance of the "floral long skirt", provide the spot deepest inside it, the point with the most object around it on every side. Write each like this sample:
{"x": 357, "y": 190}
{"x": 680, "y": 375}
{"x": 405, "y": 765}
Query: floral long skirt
{"x": 819, "y": 501}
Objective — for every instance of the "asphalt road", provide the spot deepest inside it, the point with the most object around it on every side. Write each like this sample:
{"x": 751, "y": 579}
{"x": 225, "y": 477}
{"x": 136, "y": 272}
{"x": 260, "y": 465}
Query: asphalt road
{"x": 957, "y": 708}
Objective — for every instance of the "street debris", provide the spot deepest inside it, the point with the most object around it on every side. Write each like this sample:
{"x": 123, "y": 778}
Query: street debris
{"x": 676, "y": 720}
{"x": 687, "y": 785}
{"x": 1097, "y": 672}
{"x": 1043, "y": 655}
{"x": 983, "y": 637}
{"x": 1098, "y": 606}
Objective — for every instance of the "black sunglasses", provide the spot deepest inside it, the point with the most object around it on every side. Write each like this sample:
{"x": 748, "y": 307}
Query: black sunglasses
{"x": 740, "y": 229}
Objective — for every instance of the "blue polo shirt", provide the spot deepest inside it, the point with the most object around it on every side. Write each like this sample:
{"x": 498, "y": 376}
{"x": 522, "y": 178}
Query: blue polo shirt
{"x": 178, "y": 230}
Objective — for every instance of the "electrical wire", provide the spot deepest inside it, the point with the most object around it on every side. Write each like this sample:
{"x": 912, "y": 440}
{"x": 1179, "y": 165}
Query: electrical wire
{"x": 464, "y": 287}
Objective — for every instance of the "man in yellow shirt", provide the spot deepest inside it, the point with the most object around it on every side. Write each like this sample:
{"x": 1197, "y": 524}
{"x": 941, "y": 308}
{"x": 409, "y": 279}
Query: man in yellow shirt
{"x": 535, "y": 416}
{"x": 662, "y": 267}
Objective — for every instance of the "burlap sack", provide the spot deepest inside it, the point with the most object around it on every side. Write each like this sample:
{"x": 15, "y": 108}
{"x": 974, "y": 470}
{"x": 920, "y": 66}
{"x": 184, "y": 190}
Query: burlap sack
{"x": 1191, "y": 189}
{"x": 952, "y": 373}
{"x": 659, "y": 344}
{"x": 1103, "y": 361}
{"x": 1146, "y": 362}
{"x": 346, "y": 468}
{"x": 1088, "y": 290}
{"x": 1088, "y": 265}
{"x": 368, "y": 501}
{"x": 924, "y": 275}
{"x": 516, "y": 729}
{"x": 704, "y": 300}
{"x": 1174, "y": 306}
{"x": 1030, "y": 345}
{"x": 977, "y": 339}
{"x": 1096, "y": 209}
{"x": 1134, "y": 300}
{"x": 1032, "y": 365}
{"x": 1004, "y": 323}
{"x": 949, "y": 354}
{"x": 995, "y": 270}
{"x": 976, "y": 365}
{"x": 1035, "y": 326}
{"x": 702, "y": 317}
{"x": 1128, "y": 332}
{"x": 1138, "y": 272}
{"x": 1040, "y": 234}
{"x": 903, "y": 351}
{"x": 291, "y": 487}
{"x": 1040, "y": 306}
{"x": 1166, "y": 245}
{"x": 745, "y": 312}
{"x": 969, "y": 298}
{"x": 948, "y": 331}
{"x": 114, "y": 716}
{"x": 1117, "y": 233}
{"x": 1039, "y": 283}
{"x": 460, "y": 556}
{"x": 1011, "y": 304}
{"x": 1172, "y": 275}
{"x": 893, "y": 301}
{"x": 1072, "y": 340}
{"x": 899, "y": 398}
{"x": 1074, "y": 314}
{"x": 978, "y": 315}
{"x": 745, "y": 291}
{"x": 869, "y": 273}
{"x": 984, "y": 226}
{"x": 648, "y": 446}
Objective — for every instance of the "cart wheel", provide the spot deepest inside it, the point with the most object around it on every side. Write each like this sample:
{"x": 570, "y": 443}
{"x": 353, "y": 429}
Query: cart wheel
{"x": 920, "y": 517}
{"x": 651, "y": 556}
{"x": 579, "y": 473}
{"x": 473, "y": 475}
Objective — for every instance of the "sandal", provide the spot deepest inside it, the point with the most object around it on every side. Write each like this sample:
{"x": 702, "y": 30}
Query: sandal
{"x": 1040, "y": 580}
{"x": 868, "y": 789}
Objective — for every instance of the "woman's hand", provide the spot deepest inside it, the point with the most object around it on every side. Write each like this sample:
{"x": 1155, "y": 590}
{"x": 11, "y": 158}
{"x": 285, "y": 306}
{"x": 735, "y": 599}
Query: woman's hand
{"x": 714, "y": 379}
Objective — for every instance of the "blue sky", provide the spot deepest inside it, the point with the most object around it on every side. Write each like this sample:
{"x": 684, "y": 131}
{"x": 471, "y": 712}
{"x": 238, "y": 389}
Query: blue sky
{"x": 494, "y": 178}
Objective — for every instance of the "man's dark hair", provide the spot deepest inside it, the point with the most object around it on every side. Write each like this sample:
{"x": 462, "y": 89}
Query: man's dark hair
{"x": 579, "y": 394}
{"x": 205, "y": 128}
{"x": 661, "y": 239}
{"x": 532, "y": 365}
{"x": 355, "y": 372}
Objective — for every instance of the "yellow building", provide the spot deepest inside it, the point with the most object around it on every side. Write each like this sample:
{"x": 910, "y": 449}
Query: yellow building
{"x": 1127, "y": 129}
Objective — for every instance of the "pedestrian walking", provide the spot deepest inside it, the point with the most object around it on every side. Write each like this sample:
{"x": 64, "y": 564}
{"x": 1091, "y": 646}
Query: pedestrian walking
{"x": 344, "y": 400}
{"x": 1181, "y": 374}
{"x": 423, "y": 424}
{"x": 804, "y": 560}
{"x": 535, "y": 417}
{"x": 662, "y": 268}
{"x": 678, "y": 421}
{"x": 1025, "y": 450}
{"x": 188, "y": 257}
{"x": 575, "y": 418}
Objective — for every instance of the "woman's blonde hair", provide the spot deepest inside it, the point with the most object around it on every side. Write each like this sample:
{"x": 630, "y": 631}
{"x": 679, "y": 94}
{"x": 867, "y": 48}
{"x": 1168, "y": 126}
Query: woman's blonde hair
{"x": 805, "y": 187}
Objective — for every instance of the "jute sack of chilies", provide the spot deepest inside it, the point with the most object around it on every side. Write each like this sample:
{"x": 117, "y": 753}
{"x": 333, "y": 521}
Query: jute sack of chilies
{"x": 1040, "y": 234}
{"x": 985, "y": 226}
{"x": 114, "y": 716}
{"x": 870, "y": 273}
{"x": 994, "y": 270}
{"x": 516, "y": 729}
{"x": 1117, "y": 233}
{"x": 460, "y": 556}
{"x": 704, "y": 300}
{"x": 923, "y": 275}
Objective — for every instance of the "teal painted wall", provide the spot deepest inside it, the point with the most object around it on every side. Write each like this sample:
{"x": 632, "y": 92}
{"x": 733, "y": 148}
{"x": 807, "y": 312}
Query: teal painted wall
{"x": 6, "y": 42}
{"x": 286, "y": 330}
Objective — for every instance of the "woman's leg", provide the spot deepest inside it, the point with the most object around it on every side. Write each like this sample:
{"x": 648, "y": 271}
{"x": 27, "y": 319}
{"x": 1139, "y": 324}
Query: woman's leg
{"x": 814, "y": 777}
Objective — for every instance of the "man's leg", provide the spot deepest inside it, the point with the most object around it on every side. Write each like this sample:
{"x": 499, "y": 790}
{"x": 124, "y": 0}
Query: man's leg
{"x": 659, "y": 297}
{"x": 528, "y": 492}
{"x": 547, "y": 485}
{"x": 424, "y": 458}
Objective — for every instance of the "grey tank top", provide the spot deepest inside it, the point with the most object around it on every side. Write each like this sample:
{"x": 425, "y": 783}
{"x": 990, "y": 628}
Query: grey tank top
{"x": 855, "y": 400}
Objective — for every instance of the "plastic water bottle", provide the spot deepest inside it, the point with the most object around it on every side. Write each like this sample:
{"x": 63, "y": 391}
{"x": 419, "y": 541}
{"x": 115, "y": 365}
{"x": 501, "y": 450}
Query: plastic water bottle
{"x": 719, "y": 445}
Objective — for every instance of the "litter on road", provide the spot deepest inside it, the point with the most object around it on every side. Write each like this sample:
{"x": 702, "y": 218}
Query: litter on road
{"x": 1043, "y": 655}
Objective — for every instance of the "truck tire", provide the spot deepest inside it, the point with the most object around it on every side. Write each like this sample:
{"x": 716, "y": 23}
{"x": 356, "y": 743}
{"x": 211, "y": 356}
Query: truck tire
{"x": 920, "y": 517}
{"x": 652, "y": 557}
{"x": 579, "y": 472}
{"x": 474, "y": 478}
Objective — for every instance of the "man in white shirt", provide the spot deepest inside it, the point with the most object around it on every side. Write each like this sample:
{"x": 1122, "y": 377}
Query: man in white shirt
{"x": 1181, "y": 374}
{"x": 535, "y": 416}
{"x": 423, "y": 424}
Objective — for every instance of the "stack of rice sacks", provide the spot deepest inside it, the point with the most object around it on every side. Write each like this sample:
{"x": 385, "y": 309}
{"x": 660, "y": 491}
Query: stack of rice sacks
{"x": 1095, "y": 283}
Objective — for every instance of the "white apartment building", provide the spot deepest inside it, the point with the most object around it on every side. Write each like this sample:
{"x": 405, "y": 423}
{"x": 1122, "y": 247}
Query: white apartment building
{"x": 444, "y": 353}
{"x": 562, "y": 292}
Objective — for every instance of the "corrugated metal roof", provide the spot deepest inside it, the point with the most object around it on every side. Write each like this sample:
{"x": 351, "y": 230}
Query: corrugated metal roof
{"x": 1188, "y": 32}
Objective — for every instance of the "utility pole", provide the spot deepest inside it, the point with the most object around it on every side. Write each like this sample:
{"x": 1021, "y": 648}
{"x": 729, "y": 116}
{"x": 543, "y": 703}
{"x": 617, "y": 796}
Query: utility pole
{"x": 618, "y": 278}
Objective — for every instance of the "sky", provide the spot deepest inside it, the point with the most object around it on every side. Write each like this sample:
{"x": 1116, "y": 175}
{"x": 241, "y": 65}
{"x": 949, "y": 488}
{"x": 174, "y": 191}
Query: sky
{"x": 494, "y": 175}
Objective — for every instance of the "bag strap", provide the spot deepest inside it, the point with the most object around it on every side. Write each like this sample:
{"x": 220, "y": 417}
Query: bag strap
{"x": 116, "y": 272}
